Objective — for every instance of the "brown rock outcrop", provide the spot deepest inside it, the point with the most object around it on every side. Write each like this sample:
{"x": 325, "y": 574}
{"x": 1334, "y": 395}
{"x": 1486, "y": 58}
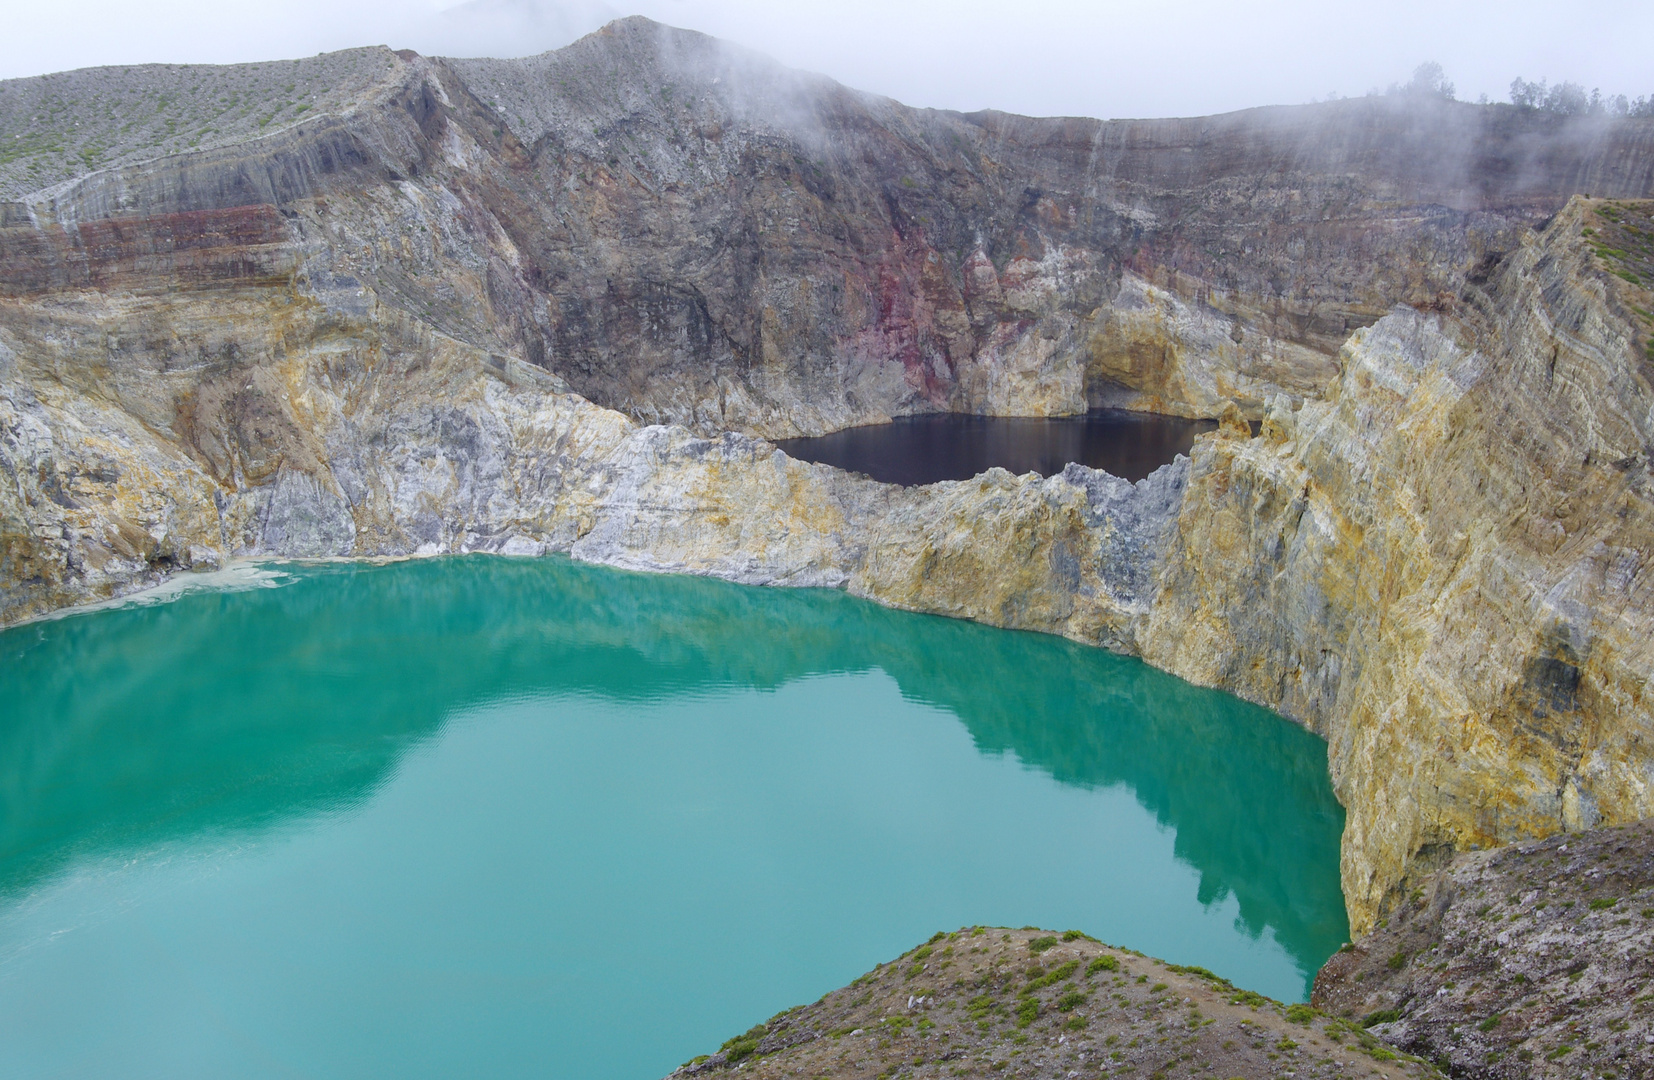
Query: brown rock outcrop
{"x": 1531, "y": 961}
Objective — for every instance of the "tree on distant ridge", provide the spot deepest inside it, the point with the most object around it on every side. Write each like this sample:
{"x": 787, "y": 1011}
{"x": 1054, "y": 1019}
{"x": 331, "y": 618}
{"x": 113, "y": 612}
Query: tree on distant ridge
{"x": 1429, "y": 80}
{"x": 1570, "y": 99}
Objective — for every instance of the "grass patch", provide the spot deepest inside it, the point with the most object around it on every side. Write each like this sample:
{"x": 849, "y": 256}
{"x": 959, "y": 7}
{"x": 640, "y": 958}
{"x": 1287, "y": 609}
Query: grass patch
{"x": 1052, "y": 977}
{"x": 1200, "y": 972}
{"x": 1040, "y": 944}
{"x": 1109, "y": 963}
{"x": 1301, "y": 1013}
{"x": 744, "y": 1045}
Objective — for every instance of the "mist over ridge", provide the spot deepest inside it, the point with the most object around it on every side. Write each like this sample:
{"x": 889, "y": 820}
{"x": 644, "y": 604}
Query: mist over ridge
{"x": 1045, "y": 57}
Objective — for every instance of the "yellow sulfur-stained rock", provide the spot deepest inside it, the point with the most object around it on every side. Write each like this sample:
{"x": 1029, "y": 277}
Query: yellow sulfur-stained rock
{"x": 1442, "y": 568}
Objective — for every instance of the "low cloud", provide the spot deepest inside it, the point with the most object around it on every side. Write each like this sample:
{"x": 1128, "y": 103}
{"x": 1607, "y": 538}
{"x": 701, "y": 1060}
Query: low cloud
{"x": 1046, "y": 57}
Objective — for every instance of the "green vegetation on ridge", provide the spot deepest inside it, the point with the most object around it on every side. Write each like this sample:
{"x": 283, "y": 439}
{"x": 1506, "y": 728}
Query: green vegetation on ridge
{"x": 56, "y": 127}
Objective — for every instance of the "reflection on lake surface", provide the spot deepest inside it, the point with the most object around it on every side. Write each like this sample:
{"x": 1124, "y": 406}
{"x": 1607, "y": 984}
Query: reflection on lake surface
{"x": 478, "y": 816}
{"x": 951, "y": 446}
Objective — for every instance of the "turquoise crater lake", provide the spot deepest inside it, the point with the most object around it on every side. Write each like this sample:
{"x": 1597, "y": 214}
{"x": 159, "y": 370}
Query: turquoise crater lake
{"x": 488, "y": 817}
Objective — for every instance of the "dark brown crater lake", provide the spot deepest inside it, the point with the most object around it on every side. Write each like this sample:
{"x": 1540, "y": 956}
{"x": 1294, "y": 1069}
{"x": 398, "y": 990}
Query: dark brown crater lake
{"x": 951, "y": 446}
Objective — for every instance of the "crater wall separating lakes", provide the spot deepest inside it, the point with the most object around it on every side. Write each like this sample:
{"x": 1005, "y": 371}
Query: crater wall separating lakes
{"x": 445, "y": 313}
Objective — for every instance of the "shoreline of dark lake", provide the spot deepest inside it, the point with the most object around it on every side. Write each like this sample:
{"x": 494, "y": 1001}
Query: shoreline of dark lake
{"x": 914, "y": 450}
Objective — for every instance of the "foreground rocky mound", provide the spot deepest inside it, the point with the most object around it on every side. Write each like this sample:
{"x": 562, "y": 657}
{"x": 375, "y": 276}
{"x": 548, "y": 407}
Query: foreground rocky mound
{"x": 1533, "y": 961}
{"x": 1025, "y": 1003}
{"x": 394, "y": 322}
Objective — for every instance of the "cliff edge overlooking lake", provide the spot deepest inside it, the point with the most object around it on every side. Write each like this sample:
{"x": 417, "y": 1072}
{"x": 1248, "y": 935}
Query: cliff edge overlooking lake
{"x": 381, "y": 304}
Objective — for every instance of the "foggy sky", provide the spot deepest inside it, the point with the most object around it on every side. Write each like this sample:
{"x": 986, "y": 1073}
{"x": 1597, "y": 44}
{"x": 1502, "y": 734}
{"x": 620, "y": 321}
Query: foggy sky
{"x": 1041, "y": 57}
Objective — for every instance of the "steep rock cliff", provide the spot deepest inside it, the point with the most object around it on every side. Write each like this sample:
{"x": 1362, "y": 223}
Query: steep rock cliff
{"x": 1442, "y": 566}
{"x": 692, "y": 234}
{"x": 291, "y": 428}
{"x": 375, "y": 332}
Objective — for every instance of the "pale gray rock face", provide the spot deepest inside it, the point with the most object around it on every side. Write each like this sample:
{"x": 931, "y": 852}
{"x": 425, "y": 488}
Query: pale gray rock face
{"x": 302, "y": 518}
{"x": 1134, "y": 525}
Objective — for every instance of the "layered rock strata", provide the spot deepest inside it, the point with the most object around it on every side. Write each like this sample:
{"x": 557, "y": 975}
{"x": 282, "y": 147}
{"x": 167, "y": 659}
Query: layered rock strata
{"x": 377, "y": 332}
{"x": 1443, "y": 566}
{"x": 334, "y": 435}
{"x": 694, "y": 235}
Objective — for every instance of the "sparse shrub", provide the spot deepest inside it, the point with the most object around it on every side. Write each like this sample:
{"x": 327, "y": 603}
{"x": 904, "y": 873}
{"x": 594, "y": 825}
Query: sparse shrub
{"x": 1192, "y": 969}
{"x": 1109, "y": 963}
{"x": 743, "y": 1046}
{"x": 1039, "y": 978}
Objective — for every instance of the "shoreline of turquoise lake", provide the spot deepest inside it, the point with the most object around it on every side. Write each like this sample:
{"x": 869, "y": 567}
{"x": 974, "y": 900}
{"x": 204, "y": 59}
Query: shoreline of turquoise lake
{"x": 536, "y": 817}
